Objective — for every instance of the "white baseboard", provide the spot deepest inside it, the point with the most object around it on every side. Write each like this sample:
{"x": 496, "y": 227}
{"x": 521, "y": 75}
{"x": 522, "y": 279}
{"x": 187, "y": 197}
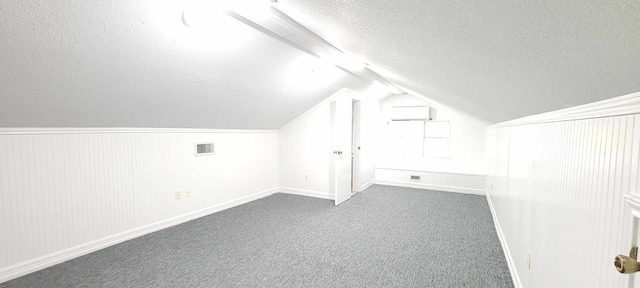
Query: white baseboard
{"x": 505, "y": 248}
{"x": 36, "y": 264}
{"x": 432, "y": 187}
{"x": 308, "y": 193}
{"x": 367, "y": 185}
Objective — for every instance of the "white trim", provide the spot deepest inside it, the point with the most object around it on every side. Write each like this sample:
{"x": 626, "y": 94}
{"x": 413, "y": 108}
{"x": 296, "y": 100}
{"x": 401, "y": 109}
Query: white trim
{"x": 308, "y": 193}
{"x": 618, "y": 106}
{"x": 368, "y": 184}
{"x": 462, "y": 190}
{"x": 80, "y": 130}
{"x": 503, "y": 242}
{"x": 633, "y": 200}
{"x": 33, "y": 265}
{"x": 317, "y": 106}
{"x": 432, "y": 171}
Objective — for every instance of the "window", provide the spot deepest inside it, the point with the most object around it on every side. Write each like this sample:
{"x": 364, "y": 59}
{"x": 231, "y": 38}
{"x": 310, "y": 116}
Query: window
{"x": 436, "y": 139}
{"x": 419, "y": 138}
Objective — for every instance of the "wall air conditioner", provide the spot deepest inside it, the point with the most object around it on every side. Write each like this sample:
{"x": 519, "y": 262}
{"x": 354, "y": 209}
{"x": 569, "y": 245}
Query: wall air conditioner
{"x": 400, "y": 113}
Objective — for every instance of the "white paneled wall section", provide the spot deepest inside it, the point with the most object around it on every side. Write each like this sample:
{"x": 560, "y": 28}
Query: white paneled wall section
{"x": 556, "y": 185}
{"x": 64, "y": 193}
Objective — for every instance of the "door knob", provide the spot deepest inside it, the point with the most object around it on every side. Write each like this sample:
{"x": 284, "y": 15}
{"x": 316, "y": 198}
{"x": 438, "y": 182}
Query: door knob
{"x": 627, "y": 264}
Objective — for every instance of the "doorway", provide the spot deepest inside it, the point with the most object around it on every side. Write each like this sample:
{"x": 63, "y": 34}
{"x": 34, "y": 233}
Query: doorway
{"x": 345, "y": 141}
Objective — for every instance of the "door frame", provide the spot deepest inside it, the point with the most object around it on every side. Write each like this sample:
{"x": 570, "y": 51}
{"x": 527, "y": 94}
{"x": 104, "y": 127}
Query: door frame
{"x": 356, "y": 124}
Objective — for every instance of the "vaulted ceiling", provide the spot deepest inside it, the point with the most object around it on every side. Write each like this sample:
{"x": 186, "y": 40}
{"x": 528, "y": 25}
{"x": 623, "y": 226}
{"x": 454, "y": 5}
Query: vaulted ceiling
{"x": 134, "y": 64}
{"x": 497, "y": 60}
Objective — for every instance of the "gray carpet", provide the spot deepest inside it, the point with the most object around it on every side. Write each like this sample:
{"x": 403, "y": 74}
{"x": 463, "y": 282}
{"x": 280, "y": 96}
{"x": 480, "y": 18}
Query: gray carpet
{"x": 383, "y": 237}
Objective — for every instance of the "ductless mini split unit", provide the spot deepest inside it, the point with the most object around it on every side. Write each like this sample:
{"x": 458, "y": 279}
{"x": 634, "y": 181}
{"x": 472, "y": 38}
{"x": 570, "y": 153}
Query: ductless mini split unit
{"x": 405, "y": 113}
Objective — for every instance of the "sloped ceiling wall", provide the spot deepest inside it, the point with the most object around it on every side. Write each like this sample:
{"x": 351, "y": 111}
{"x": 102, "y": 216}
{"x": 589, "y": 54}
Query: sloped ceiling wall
{"x": 134, "y": 64}
{"x": 71, "y": 63}
{"x": 497, "y": 60}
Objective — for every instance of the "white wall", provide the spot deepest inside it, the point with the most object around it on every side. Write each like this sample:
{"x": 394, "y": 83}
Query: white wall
{"x": 305, "y": 148}
{"x": 466, "y": 152}
{"x": 556, "y": 185}
{"x": 64, "y": 193}
{"x": 467, "y": 140}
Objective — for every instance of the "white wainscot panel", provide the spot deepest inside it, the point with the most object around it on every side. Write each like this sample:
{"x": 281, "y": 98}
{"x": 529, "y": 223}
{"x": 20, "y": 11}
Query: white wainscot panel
{"x": 65, "y": 192}
{"x": 441, "y": 181}
{"x": 558, "y": 191}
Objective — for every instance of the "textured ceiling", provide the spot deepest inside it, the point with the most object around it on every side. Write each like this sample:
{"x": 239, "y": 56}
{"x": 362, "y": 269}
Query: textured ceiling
{"x": 496, "y": 60}
{"x": 67, "y": 63}
{"x": 134, "y": 64}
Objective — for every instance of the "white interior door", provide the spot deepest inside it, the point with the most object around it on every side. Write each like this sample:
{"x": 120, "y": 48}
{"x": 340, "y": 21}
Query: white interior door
{"x": 341, "y": 136}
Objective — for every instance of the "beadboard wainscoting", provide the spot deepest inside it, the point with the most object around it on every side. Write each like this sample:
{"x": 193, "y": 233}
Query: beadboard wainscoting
{"x": 432, "y": 180}
{"x": 556, "y": 185}
{"x": 67, "y": 192}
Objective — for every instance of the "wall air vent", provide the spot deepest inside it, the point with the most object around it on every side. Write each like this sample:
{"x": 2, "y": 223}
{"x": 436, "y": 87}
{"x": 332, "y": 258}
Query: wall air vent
{"x": 203, "y": 149}
{"x": 415, "y": 178}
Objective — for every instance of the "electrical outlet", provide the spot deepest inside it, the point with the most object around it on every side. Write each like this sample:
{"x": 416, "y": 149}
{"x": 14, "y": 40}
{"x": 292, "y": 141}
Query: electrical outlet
{"x": 178, "y": 196}
{"x": 306, "y": 177}
{"x": 187, "y": 193}
{"x": 529, "y": 259}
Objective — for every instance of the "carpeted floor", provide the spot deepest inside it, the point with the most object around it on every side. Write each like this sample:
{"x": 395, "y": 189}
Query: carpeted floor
{"x": 383, "y": 237}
